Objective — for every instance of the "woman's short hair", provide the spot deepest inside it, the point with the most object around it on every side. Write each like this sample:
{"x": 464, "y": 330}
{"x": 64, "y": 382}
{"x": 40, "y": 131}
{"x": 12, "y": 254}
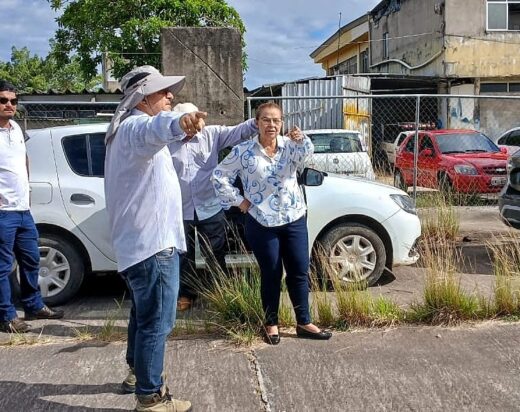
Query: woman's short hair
{"x": 268, "y": 105}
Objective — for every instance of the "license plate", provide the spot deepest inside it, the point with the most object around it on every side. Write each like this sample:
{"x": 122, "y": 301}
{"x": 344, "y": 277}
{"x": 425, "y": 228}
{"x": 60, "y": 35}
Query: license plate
{"x": 498, "y": 181}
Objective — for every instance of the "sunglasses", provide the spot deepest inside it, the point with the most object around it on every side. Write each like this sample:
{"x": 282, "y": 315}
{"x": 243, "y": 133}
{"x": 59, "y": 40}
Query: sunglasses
{"x": 5, "y": 100}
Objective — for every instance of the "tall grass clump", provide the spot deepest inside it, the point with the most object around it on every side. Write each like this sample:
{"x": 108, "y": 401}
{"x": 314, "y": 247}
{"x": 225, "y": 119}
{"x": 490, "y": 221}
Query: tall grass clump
{"x": 506, "y": 267}
{"x": 444, "y": 300}
{"x": 354, "y": 304}
{"x": 439, "y": 221}
{"x": 234, "y": 302}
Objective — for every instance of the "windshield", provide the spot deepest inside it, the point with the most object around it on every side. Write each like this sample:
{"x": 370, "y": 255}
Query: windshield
{"x": 336, "y": 142}
{"x": 465, "y": 143}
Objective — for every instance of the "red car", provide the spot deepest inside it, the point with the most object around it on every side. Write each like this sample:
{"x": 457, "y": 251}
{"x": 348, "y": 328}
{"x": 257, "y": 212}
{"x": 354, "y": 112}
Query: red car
{"x": 464, "y": 161}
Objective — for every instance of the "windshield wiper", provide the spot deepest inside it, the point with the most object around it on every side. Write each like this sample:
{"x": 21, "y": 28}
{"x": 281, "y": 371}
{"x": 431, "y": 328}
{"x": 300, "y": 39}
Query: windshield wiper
{"x": 475, "y": 151}
{"x": 452, "y": 151}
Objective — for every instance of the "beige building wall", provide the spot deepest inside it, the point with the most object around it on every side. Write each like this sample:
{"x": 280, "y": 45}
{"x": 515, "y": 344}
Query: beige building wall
{"x": 471, "y": 51}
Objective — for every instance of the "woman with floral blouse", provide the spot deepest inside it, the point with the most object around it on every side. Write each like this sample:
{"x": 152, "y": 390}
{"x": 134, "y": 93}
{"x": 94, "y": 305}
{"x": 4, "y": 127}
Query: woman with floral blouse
{"x": 276, "y": 226}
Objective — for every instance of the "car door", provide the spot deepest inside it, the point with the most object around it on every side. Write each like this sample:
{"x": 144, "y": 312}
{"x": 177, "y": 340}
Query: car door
{"x": 406, "y": 156}
{"x": 80, "y": 160}
{"x": 427, "y": 162}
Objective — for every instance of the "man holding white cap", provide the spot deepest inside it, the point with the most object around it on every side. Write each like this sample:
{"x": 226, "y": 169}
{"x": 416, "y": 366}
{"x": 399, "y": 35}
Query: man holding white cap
{"x": 144, "y": 206}
{"x": 194, "y": 162}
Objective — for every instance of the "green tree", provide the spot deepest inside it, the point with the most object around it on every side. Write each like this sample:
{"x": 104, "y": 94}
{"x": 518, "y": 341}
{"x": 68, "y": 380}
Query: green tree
{"x": 129, "y": 30}
{"x": 31, "y": 73}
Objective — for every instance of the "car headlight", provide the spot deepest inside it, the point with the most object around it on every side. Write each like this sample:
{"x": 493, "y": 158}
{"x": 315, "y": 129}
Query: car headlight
{"x": 466, "y": 170}
{"x": 405, "y": 202}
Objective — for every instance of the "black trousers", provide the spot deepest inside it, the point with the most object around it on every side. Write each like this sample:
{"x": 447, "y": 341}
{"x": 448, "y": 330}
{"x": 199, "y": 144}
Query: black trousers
{"x": 213, "y": 243}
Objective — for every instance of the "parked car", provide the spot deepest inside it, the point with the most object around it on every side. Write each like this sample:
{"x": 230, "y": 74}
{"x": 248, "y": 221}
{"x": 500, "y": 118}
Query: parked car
{"x": 510, "y": 140}
{"x": 361, "y": 226}
{"x": 509, "y": 198}
{"x": 464, "y": 161}
{"x": 340, "y": 151}
{"x": 393, "y": 135}
{"x": 390, "y": 148}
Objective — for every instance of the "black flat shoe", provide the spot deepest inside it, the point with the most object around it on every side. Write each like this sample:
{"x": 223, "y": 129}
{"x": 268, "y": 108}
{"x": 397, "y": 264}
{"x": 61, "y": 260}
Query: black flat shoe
{"x": 321, "y": 335}
{"x": 271, "y": 339}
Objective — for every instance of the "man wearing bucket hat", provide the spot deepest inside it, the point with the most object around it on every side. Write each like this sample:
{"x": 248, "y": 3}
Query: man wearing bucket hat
{"x": 194, "y": 162}
{"x": 144, "y": 206}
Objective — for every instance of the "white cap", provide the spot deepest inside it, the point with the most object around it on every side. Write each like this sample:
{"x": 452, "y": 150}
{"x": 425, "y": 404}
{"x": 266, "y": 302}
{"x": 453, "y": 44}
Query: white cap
{"x": 185, "y": 108}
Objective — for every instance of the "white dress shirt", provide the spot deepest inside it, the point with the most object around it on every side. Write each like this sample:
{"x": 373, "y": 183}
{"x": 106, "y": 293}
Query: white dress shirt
{"x": 14, "y": 182}
{"x": 142, "y": 191}
{"x": 270, "y": 184}
{"x": 195, "y": 161}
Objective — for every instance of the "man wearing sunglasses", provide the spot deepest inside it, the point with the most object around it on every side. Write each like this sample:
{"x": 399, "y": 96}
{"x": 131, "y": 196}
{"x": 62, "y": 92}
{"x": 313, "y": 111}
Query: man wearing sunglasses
{"x": 18, "y": 234}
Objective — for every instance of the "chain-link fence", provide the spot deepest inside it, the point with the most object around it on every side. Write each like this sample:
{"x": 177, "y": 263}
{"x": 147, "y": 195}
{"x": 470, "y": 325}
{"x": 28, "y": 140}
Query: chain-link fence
{"x": 429, "y": 145}
{"x": 41, "y": 114}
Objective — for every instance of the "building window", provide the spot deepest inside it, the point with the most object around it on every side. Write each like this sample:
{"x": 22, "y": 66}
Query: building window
{"x": 386, "y": 54}
{"x": 503, "y": 15}
{"x": 363, "y": 58}
{"x": 349, "y": 66}
{"x": 503, "y": 87}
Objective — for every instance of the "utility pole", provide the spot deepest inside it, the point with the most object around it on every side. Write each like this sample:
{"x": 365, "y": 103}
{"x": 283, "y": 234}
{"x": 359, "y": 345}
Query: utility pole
{"x": 339, "y": 38}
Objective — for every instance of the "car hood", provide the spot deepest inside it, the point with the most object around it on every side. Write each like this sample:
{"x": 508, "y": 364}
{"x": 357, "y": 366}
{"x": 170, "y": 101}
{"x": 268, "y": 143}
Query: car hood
{"x": 481, "y": 159}
{"x": 360, "y": 184}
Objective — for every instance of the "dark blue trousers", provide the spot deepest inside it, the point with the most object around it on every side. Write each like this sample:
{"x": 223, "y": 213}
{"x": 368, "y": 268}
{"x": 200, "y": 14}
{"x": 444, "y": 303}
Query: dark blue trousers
{"x": 19, "y": 240}
{"x": 276, "y": 248}
{"x": 212, "y": 238}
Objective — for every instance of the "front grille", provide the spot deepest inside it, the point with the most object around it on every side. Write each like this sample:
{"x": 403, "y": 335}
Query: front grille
{"x": 495, "y": 170}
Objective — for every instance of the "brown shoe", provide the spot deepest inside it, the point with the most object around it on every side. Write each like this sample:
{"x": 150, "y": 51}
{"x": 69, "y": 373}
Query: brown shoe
{"x": 15, "y": 325}
{"x": 44, "y": 313}
{"x": 184, "y": 303}
{"x": 161, "y": 402}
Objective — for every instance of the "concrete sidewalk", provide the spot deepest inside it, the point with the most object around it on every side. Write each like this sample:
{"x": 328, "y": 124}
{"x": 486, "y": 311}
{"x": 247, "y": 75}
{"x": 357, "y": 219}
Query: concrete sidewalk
{"x": 405, "y": 369}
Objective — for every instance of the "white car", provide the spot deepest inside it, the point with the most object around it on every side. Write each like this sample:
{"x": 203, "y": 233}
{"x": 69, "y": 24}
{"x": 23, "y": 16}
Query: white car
{"x": 510, "y": 140}
{"x": 340, "y": 151}
{"x": 390, "y": 147}
{"x": 363, "y": 227}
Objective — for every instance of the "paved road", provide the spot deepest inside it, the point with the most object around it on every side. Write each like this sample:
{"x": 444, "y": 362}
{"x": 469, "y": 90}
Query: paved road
{"x": 403, "y": 369}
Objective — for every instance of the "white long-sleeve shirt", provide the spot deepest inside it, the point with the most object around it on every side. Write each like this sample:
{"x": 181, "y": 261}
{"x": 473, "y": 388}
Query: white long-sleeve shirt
{"x": 142, "y": 192}
{"x": 270, "y": 184}
{"x": 195, "y": 160}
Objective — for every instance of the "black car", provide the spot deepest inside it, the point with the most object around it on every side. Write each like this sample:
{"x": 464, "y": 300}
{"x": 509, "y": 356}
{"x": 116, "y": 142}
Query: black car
{"x": 509, "y": 198}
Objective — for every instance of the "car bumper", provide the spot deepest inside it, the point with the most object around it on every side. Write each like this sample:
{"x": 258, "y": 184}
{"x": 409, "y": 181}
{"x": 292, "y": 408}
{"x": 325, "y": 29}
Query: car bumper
{"x": 404, "y": 230}
{"x": 509, "y": 206}
{"x": 478, "y": 183}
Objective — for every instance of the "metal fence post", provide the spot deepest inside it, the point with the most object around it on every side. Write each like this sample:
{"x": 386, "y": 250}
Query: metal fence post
{"x": 416, "y": 146}
{"x": 249, "y": 108}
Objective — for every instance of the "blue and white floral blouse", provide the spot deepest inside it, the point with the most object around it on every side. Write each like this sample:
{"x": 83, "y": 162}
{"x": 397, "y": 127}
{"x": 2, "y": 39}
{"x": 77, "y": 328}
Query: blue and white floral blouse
{"x": 269, "y": 183}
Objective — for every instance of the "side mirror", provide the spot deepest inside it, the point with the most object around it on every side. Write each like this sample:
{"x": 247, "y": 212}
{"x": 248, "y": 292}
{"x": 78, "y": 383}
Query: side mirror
{"x": 426, "y": 153}
{"x": 312, "y": 177}
{"x": 503, "y": 150}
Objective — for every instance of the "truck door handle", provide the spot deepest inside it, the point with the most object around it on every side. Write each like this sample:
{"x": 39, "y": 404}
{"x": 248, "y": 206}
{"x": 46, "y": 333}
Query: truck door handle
{"x": 81, "y": 199}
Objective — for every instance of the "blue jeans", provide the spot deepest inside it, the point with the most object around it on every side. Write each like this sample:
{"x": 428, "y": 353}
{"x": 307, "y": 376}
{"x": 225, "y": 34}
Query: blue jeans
{"x": 19, "y": 239}
{"x": 153, "y": 285}
{"x": 275, "y": 248}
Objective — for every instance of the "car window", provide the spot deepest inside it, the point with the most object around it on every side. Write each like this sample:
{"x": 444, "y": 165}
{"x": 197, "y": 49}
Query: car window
{"x": 465, "y": 143}
{"x": 410, "y": 144}
{"x": 97, "y": 154}
{"x": 85, "y": 154}
{"x": 400, "y": 139}
{"x": 75, "y": 148}
{"x": 503, "y": 139}
{"x": 336, "y": 142}
{"x": 514, "y": 138}
{"x": 426, "y": 143}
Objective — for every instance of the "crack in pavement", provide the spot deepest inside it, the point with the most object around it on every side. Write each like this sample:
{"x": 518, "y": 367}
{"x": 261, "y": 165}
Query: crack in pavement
{"x": 255, "y": 367}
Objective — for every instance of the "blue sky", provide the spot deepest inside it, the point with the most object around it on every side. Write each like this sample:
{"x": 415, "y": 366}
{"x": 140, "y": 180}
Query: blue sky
{"x": 280, "y": 34}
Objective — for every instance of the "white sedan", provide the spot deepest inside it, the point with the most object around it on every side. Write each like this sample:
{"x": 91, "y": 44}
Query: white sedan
{"x": 362, "y": 227}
